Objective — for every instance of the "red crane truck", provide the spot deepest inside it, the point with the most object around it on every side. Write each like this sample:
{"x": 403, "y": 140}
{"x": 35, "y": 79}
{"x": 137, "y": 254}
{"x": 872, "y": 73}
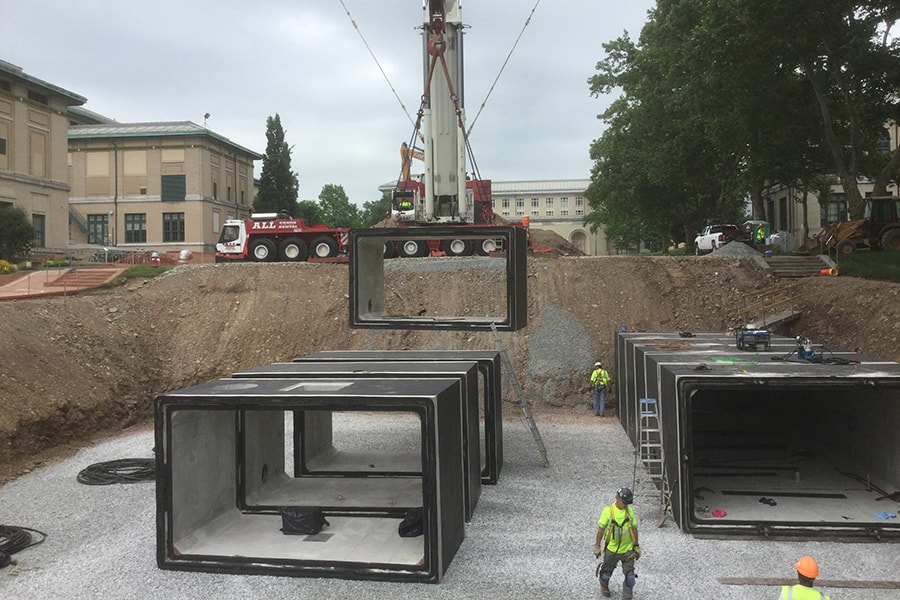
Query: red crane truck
{"x": 269, "y": 237}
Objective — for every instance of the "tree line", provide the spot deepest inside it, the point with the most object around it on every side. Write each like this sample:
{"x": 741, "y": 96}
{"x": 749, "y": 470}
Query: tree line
{"x": 720, "y": 99}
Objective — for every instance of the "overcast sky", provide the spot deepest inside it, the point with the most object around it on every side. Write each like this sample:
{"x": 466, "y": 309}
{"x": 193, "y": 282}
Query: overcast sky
{"x": 241, "y": 62}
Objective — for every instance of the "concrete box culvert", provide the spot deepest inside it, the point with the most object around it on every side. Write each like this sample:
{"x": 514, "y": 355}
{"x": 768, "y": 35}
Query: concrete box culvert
{"x": 764, "y": 443}
{"x": 222, "y": 477}
{"x": 489, "y": 376}
{"x": 316, "y": 454}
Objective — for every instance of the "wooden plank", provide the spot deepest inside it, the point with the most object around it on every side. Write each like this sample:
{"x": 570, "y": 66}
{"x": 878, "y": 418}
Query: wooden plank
{"x": 836, "y": 583}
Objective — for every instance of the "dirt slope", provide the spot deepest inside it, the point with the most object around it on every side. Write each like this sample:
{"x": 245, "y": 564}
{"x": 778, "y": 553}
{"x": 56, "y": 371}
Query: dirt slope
{"x": 76, "y": 367}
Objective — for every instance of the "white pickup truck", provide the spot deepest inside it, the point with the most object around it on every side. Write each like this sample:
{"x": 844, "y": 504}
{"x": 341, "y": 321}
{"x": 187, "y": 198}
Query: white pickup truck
{"x": 714, "y": 237}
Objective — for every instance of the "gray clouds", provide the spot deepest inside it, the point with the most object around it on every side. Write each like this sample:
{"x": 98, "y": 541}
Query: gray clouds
{"x": 242, "y": 62}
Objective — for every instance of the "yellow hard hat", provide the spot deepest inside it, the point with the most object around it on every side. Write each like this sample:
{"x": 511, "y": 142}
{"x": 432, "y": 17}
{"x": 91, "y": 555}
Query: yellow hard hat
{"x": 807, "y": 567}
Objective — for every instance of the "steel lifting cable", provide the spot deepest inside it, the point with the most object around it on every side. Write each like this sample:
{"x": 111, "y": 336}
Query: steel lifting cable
{"x": 378, "y": 64}
{"x": 502, "y": 67}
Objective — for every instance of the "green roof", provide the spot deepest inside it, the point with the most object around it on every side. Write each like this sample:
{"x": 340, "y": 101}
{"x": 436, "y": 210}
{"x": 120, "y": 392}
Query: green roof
{"x": 160, "y": 129}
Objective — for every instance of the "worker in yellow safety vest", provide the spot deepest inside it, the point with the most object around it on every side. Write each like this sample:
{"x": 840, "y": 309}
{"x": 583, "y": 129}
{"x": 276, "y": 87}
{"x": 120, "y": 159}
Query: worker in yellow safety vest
{"x": 807, "y": 571}
{"x": 617, "y": 540}
{"x": 599, "y": 383}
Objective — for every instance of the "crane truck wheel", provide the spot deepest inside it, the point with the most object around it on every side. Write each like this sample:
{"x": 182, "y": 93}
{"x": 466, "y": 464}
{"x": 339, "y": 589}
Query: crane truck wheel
{"x": 293, "y": 250}
{"x": 845, "y": 247}
{"x": 324, "y": 247}
{"x": 412, "y": 248}
{"x": 389, "y": 250}
{"x": 485, "y": 247}
{"x": 890, "y": 240}
{"x": 263, "y": 250}
{"x": 457, "y": 247}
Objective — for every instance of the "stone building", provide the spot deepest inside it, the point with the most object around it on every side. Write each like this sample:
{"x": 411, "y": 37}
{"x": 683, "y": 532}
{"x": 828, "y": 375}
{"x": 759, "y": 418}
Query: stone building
{"x": 557, "y": 205}
{"x": 34, "y": 122}
{"x": 165, "y": 186}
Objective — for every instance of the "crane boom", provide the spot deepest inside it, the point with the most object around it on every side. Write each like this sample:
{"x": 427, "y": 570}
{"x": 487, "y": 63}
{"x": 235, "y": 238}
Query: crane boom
{"x": 443, "y": 129}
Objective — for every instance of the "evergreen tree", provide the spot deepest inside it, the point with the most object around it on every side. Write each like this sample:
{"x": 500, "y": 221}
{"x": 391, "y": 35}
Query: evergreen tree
{"x": 16, "y": 231}
{"x": 278, "y": 186}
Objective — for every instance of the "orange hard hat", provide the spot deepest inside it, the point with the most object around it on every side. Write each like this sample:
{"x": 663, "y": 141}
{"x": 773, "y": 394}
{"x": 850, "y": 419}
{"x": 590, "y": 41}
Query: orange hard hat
{"x": 807, "y": 567}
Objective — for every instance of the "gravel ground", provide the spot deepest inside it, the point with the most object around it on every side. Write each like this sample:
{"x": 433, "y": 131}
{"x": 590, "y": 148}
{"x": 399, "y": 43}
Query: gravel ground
{"x": 531, "y": 535}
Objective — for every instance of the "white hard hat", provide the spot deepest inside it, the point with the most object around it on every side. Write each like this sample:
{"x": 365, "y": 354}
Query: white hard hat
{"x": 598, "y": 364}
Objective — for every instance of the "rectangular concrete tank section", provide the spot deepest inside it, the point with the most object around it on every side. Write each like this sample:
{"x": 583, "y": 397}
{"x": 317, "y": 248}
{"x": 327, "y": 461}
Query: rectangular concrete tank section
{"x": 489, "y": 382}
{"x": 317, "y": 454}
{"x": 506, "y": 300}
{"x": 792, "y": 441}
{"x": 221, "y": 477}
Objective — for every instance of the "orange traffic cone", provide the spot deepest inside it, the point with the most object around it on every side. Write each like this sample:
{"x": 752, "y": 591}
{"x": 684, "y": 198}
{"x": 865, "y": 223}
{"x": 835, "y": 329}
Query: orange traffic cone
{"x": 831, "y": 272}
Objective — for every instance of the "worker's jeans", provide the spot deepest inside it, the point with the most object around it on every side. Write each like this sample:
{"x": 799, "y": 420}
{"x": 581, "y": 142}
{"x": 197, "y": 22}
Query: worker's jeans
{"x": 600, "y": 400}
{"x": 610, "y": 560}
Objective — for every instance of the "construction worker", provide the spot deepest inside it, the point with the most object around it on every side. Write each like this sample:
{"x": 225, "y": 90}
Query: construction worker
{"x": 761, "y": 234}
{"x": 599, "y": 383}
{"x": 807, "y": 571}
{"x": 617, "y": 540}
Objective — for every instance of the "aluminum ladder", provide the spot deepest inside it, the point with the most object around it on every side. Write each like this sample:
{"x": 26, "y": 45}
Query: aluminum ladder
{"x": 520, "y": 398}
{"x": 649, "y": 455}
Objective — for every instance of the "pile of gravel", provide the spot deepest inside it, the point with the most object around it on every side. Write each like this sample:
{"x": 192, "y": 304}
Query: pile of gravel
{"x": 530, "y": 537}
{"x": 735, "y": 249}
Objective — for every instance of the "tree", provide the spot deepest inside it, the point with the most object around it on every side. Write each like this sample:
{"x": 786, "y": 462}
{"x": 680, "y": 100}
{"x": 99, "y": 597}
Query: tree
{"x": 721, "y": 98}
{"x": 310, "y": 211}
{"x": 278, "y": 186}
{"x": 16, "y": 231}
{"x": 376, "y": 211}
{"x": 337, "y": 211}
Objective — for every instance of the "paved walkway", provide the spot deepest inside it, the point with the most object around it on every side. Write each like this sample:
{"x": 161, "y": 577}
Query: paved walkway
{"x": 58, "y": 282}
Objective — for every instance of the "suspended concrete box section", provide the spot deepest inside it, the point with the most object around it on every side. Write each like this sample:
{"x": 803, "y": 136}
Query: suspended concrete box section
{"x": 489, "y": 372}
{"x": 319, "y": 454}
{"x": 222, "y": 477}
{"x": 790, "y": 442}
{"x": 495, "y": 287}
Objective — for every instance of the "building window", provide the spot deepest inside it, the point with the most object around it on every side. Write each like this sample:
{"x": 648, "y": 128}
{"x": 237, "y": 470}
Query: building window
{"x": 535, "y": 213}
{"x": 98, "y": 229}
{"x": 37, "y": 97}
{"x": 563, "y": 213}
{"x": 535, "y": 203}
{"x": 39, "y": 222}
{"x": 549, "y": 213}
{"x": 579, "y": 212}
{"x": 3, "y": 146}
{"x": 173, "y": 227}
{"x": 783, "y": 214}
{"x": 215, "y": 190}
{"x": 520, "y": 202}
{"x": 229, "y": 194}
{"x": 505, "y": 202}
{"x": 173, "y": 188}
{"x": 216, "y": 221}
{"x": 835, "y": 209}
{"x": 564, "y": 202}
{"x": 579, "y": 201}
{"x": 135, "y": 228}
{"x": 520, "y": 213}
{"x": 242, "y": 197}
{"x": 549, "y": 202}
{"x": 505, "y": 213}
